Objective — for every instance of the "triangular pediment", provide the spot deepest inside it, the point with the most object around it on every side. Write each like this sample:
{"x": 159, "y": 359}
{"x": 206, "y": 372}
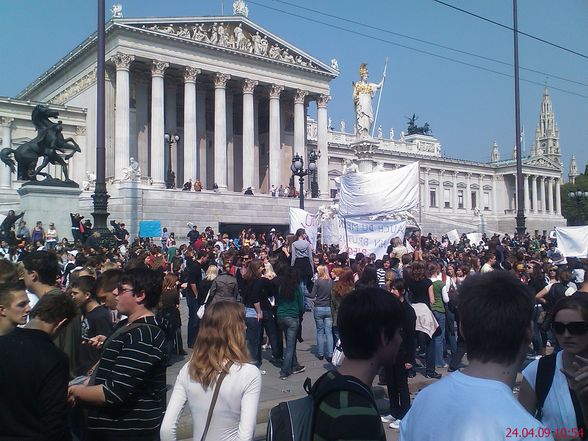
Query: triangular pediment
{"x": 236, "y": 34}
{"x": 542, "y": 161}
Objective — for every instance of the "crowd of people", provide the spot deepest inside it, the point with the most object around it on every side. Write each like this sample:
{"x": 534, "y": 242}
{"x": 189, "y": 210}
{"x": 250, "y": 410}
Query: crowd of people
{"x": 112, "y": 311}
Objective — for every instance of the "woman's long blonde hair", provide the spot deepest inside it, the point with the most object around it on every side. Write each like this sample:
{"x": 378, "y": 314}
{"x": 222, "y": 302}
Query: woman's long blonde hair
{"x": 221, "y": 338}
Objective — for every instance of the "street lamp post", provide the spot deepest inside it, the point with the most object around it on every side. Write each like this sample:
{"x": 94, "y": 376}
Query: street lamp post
{"x": 298, "y": 169}
{"x": 578, "y": 196}
{"x": 170, "y": 177}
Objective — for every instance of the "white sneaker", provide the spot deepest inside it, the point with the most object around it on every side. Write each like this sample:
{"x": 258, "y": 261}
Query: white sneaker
{"x": 395, "y": 425}
{"x": 388, "y": 418}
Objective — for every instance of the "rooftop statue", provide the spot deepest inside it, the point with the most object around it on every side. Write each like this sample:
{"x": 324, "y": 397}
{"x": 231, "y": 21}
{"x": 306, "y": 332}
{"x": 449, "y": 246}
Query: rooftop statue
{"x": 363, "y": 92}
{"x": 48, "y": 144}
{"x": 413, "y": 129}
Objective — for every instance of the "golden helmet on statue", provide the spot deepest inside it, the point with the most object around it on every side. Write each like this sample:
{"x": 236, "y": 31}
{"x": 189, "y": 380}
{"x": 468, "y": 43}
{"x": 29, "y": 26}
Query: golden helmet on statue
{"x": 363, "y": 70}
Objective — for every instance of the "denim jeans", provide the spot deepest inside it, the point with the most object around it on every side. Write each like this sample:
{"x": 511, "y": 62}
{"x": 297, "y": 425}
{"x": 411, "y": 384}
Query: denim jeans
{"x": 439, "y": 341}
{"x": 324, "y": 330}
{"x": 289, "y": 326}
{"x": 193, "y": 306}
{"x": 273, "y": 334}
{"x": 451, "y": 333}
{"x": 253, "y": 337}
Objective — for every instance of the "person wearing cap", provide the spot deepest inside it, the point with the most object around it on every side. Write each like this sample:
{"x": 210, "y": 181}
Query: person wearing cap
{"x": 51, "y": 237}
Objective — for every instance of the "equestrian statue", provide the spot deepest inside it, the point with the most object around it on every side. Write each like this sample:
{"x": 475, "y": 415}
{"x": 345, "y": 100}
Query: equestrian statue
{"x": 48, "y": 144}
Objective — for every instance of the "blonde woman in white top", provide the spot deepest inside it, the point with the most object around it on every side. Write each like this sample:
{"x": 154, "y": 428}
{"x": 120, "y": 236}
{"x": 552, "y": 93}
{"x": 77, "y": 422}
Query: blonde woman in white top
{"x": 220, "y": 342}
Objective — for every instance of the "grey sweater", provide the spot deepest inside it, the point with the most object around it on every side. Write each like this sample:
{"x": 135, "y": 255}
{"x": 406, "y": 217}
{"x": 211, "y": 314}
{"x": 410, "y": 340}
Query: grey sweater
{"x": 301, "y": 249}
{"x": 321, "y": 292}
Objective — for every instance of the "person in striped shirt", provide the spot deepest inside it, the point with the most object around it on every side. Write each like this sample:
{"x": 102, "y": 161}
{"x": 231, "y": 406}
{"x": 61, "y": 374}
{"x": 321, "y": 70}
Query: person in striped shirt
{"x": 126, "y": 394}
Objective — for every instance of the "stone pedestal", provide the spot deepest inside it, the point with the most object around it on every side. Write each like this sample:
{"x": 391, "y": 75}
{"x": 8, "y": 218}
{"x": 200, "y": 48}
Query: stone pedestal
{"x": 47, "y": 204}
{"x": 364, "y": 150}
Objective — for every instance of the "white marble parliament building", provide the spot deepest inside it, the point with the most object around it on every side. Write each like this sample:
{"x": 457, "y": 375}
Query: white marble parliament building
{"x": 239, "y": 97}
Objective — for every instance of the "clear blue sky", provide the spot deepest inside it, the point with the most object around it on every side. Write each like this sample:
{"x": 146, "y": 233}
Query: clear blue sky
{"x": 467, "y": 108}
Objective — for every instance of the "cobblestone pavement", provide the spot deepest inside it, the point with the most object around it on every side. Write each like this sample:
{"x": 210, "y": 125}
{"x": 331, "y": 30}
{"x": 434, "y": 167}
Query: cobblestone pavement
{"x": 275, "y": 390}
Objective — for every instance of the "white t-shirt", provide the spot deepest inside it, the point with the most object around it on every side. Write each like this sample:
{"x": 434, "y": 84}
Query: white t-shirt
{"x": 235, "y": 412}
{"x": 464, "y": 408}
{"x": 558, "y": 409}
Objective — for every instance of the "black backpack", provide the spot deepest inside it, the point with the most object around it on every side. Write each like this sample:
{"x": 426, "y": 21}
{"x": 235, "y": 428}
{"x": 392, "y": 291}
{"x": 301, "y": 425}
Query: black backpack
{"x": 294, "y": 420}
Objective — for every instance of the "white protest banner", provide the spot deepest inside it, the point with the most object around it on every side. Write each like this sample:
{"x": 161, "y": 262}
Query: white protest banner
{"x": 330, "y": 233}
{"x": 453, "y": 236}
{"x": 365, "y": 236}
{"x": 303, "y": 219}
{"x": 474, "y": 238}
{"x": 572, "y": 241}
{"x": 370, "y": 194}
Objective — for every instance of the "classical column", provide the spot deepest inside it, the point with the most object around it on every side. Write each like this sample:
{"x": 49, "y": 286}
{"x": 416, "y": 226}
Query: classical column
{"x": 526, "y": 193}
{"x": 455, "y": 192}
{"x": 494, "y": 207}
{"x": 558, "y": 196}
{"x": 534, "y": 193}
{"x": 299, "y": 123}
{"x": 190, "y": 74}
{"x": 481, "y": 192}
{"x": 550, "y": 196}
{"x": 5, "y": 173}
{"x": 122, "y": 62}
{"x": 426, "y": 203}
{"x": 201, "y": 139}
{"x": 322, "y": 145}
{"x": 157, "y": 123}
{"x": 248, "y": 134}
{"x": 467, "y": 197}
{"x": 543, "y": 199}
{"x": 220, "y": 130}
{"x": 275, "y": 175}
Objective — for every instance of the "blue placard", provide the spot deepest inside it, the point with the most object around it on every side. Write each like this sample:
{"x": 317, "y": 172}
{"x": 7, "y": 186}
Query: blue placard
{"x": 149, "y": 228}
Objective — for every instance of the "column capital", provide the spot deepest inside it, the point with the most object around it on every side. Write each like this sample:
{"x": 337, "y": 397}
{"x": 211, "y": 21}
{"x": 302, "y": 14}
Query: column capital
{"x": 455, "y": 173}
{"x": 427, "y": 170}
{"x": 6, "y": 121}
{"x": 158, "y": 68}
{"x": 122, "y": 61}
{"x": 249, "y": 85}
{"x": 220, "y": 80}
{"x": 275, "y": 91}
{"x": 300, "y": 96}
{"x": 322, "y": 100}
{"x": 190, "y": 74}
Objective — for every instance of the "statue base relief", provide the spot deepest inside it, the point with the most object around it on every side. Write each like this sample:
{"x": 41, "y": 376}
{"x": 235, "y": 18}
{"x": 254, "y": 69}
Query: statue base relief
{"x": 50, "y": 203}
{"x": 364, "y": 150}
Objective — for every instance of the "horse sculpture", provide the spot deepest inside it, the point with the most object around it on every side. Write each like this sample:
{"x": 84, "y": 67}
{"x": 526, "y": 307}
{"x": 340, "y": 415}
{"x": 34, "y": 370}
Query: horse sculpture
{"x": 48, "y": 142}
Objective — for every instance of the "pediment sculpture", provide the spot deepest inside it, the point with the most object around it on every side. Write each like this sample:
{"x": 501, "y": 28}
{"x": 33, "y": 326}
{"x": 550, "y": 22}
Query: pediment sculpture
{"x": 233, "y": 35}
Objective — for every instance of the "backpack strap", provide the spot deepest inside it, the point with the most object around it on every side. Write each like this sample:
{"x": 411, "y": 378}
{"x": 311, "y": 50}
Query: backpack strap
{"x": 545, "y": 373}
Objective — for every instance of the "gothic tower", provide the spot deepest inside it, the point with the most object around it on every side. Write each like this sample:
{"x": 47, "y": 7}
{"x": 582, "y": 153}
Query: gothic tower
{"x": 573, "y": 174}
{"x": 547, "y": 132}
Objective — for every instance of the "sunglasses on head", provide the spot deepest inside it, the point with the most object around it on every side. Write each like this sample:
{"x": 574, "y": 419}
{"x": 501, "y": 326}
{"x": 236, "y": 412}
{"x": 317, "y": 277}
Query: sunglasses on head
{"x": 574, "y": 328}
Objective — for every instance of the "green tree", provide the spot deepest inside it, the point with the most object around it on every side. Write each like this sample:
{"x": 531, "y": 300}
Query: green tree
{"x": 575, "y": 210}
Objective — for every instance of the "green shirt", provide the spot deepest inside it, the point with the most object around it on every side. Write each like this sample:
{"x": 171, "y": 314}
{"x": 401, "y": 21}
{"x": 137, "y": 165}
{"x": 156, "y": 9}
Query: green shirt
{"x": 437, "y": 306}
{"x": 291, "y": 308}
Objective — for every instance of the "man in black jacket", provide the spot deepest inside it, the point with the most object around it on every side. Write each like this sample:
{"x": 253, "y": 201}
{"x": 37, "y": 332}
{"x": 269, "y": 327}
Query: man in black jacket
{"x": 34, "y": 375}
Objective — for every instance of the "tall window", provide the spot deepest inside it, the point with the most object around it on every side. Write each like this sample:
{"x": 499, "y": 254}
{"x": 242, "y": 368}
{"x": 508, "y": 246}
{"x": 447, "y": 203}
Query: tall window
{"x": 459, "y": 198}
{"x": 474, "y": 199}
{"x": 447, "y": 197}
{"x": 433, "y": 198}
{"x": 486, "y": 200}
